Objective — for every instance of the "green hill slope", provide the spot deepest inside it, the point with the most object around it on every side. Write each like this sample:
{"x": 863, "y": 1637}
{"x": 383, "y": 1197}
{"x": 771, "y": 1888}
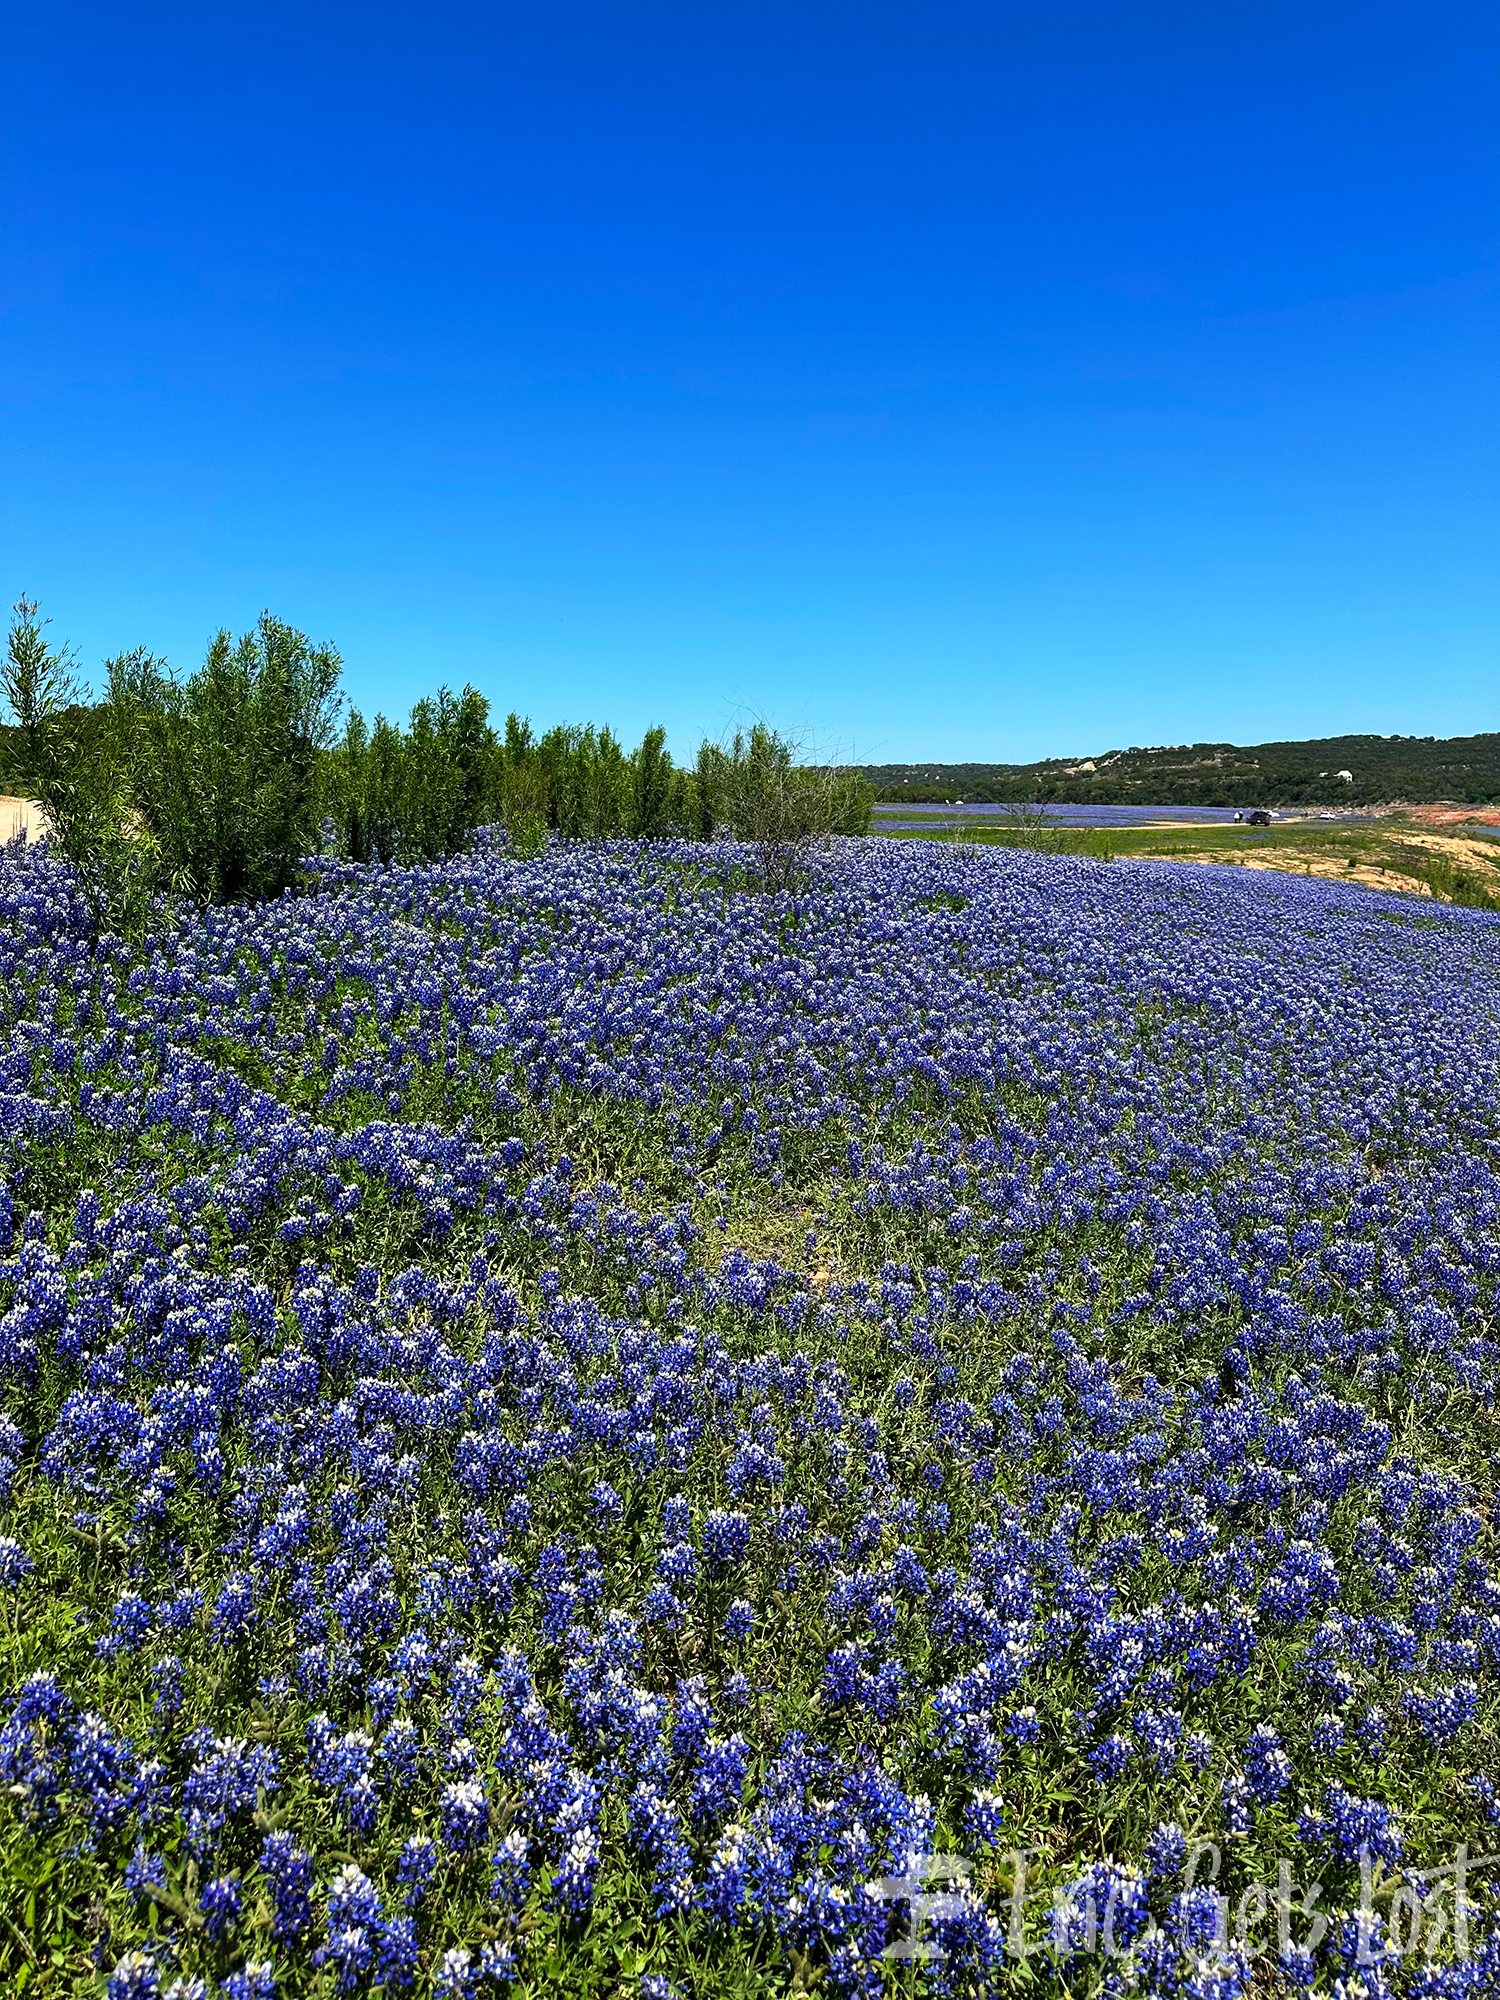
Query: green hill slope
{"x": 1382, "y": 769}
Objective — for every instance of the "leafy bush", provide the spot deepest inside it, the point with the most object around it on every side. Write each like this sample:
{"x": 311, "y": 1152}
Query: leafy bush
{"x": 782, "y": 808}
{"x": 412, "y": 795}
{"x": 74, "y": 777}
{"x": 1026, "y": 825}
{"x": 222, "y": 769}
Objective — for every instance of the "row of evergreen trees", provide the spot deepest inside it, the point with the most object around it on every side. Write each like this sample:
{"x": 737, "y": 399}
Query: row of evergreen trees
{"x": 220, "y": 785}
{"x": 418, "y": 793}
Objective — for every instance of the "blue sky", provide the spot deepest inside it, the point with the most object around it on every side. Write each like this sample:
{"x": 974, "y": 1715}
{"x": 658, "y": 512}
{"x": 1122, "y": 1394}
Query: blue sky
{"x": 952, "y": 382}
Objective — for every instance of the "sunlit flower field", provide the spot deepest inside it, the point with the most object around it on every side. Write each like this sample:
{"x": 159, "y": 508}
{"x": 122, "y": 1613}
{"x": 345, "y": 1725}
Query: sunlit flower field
{"x": 568, "y": 1425}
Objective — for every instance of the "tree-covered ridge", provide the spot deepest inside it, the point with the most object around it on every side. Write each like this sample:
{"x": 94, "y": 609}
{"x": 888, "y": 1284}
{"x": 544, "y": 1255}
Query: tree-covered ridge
{"x": 1383, "y": 770}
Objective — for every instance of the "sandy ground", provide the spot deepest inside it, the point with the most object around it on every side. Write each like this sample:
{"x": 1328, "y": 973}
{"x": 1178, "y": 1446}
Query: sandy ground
{"x": 1455, "y": 815}
{"x": 16, "y": 814}
{"x": 1453, "y": 844}
{"x": 1304, "y": 861}
{"x": 1294, "y": 861}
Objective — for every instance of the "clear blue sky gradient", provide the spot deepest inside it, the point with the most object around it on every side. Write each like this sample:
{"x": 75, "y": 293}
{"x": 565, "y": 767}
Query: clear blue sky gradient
{"x": 958, "y": 382}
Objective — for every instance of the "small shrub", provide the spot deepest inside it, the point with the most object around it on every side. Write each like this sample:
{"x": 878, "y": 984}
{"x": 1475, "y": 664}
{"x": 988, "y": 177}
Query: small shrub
{"x": 222, "y": 770}
{"x": 73, "y": 776}
{"x": 782, "y": 808}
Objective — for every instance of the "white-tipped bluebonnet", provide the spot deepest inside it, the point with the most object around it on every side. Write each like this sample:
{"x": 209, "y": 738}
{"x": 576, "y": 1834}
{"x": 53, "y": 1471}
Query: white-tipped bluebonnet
{"x": 739, "y": 1620}
{"x": 1441, "y": 1715}
{"x": 15, "y": 1563}
{"x": 510, "y": 1870}
{"x": 1166, "y": 1851}
{"x": 355, "y": 1919}
{"x": 135, "y": 1977}
{"x": 253, "y": 1981}
{"x": 289, "y": 1871}
{"x": 464, "y": 1812}
{"x": 415, "y": 1866}
{"x": 1109, "y": 1758}
{"x": 1268, "y": 1769}
{"x": 984, "y": 1818}
{"x": 725, "y": 1540}
{"x": 1198, "y": 1750}
{"x": 1327, "y": 1735}
{"x": 455, "y": 1975}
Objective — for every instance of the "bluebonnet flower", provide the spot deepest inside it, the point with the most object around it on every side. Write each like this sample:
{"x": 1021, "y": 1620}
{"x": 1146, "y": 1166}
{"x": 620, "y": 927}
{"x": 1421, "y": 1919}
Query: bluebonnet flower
{"x": 254, "y": 1981}
{"x": 657, "y": 1835}
{"x": 984, "y": 1818}
{"x": 576, "y": 1833}
{"x": 737, "y": 1692}
{"x": 718, "y": 1778}
{"x": 510, "y": 1872}
{"x": 143, "y": 1868}
{"x": 221, "y": 1904}
{"x": 135, "y": 1977}
{"x": 355, "y": 1920}
{"x": 726, "y": 1539}
{"x": 129, "y": 1623}
{"x": 692, "y": 1720}
{"x": 400, "y": 1753}
{"x": 344, "y": 1764}
{"x": 1159, "y": 1733}
{"x": 1297, "y": 1968}
{"x": 1355, "y": 1823}
{"x": 1442, "y": 1715}
{"x": 1268, "y": 1769}
{"x": 725, "y": 1880}
{"x": 739, "y": 1620}
{"x": 678, "y": 1563}
{"x": 465, "y": 1814}
{"x": 1109, "y": 1758}
{"x": 498, "y": 1963}
{"x": 415, "y": 1866}
{"x": 235, "y": 1609}
{"x": 1371, "y": 1729}
{"x": 1235, "y": 1799}
{"x": 101, "y": 1771}
{"x": 1198, "y": 1750}
{"x": 289, "y": 1870}
{"x": 1327, "y": 1736}
{"x": 456, "y": 1974}
{"x": 661, "y": 1607}
{"x": 1166, "y": 1851}
{"x": 15, "y": 1563}
{"x": 1075, "y": 1104}
{"x": 396, "y": 1953}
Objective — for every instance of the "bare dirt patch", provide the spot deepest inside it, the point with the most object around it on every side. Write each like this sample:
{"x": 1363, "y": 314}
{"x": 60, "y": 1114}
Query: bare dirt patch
{"x": 21, "y": 816}
{"x": 1300, "y": 861}
{"x": 1451, "y": 862}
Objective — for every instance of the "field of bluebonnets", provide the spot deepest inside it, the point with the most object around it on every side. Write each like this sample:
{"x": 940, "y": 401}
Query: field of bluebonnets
{"x": 563, "y": 1420}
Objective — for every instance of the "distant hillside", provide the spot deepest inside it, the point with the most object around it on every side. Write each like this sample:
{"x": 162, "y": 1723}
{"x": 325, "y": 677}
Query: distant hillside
{"x": 1383, "y": 769}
